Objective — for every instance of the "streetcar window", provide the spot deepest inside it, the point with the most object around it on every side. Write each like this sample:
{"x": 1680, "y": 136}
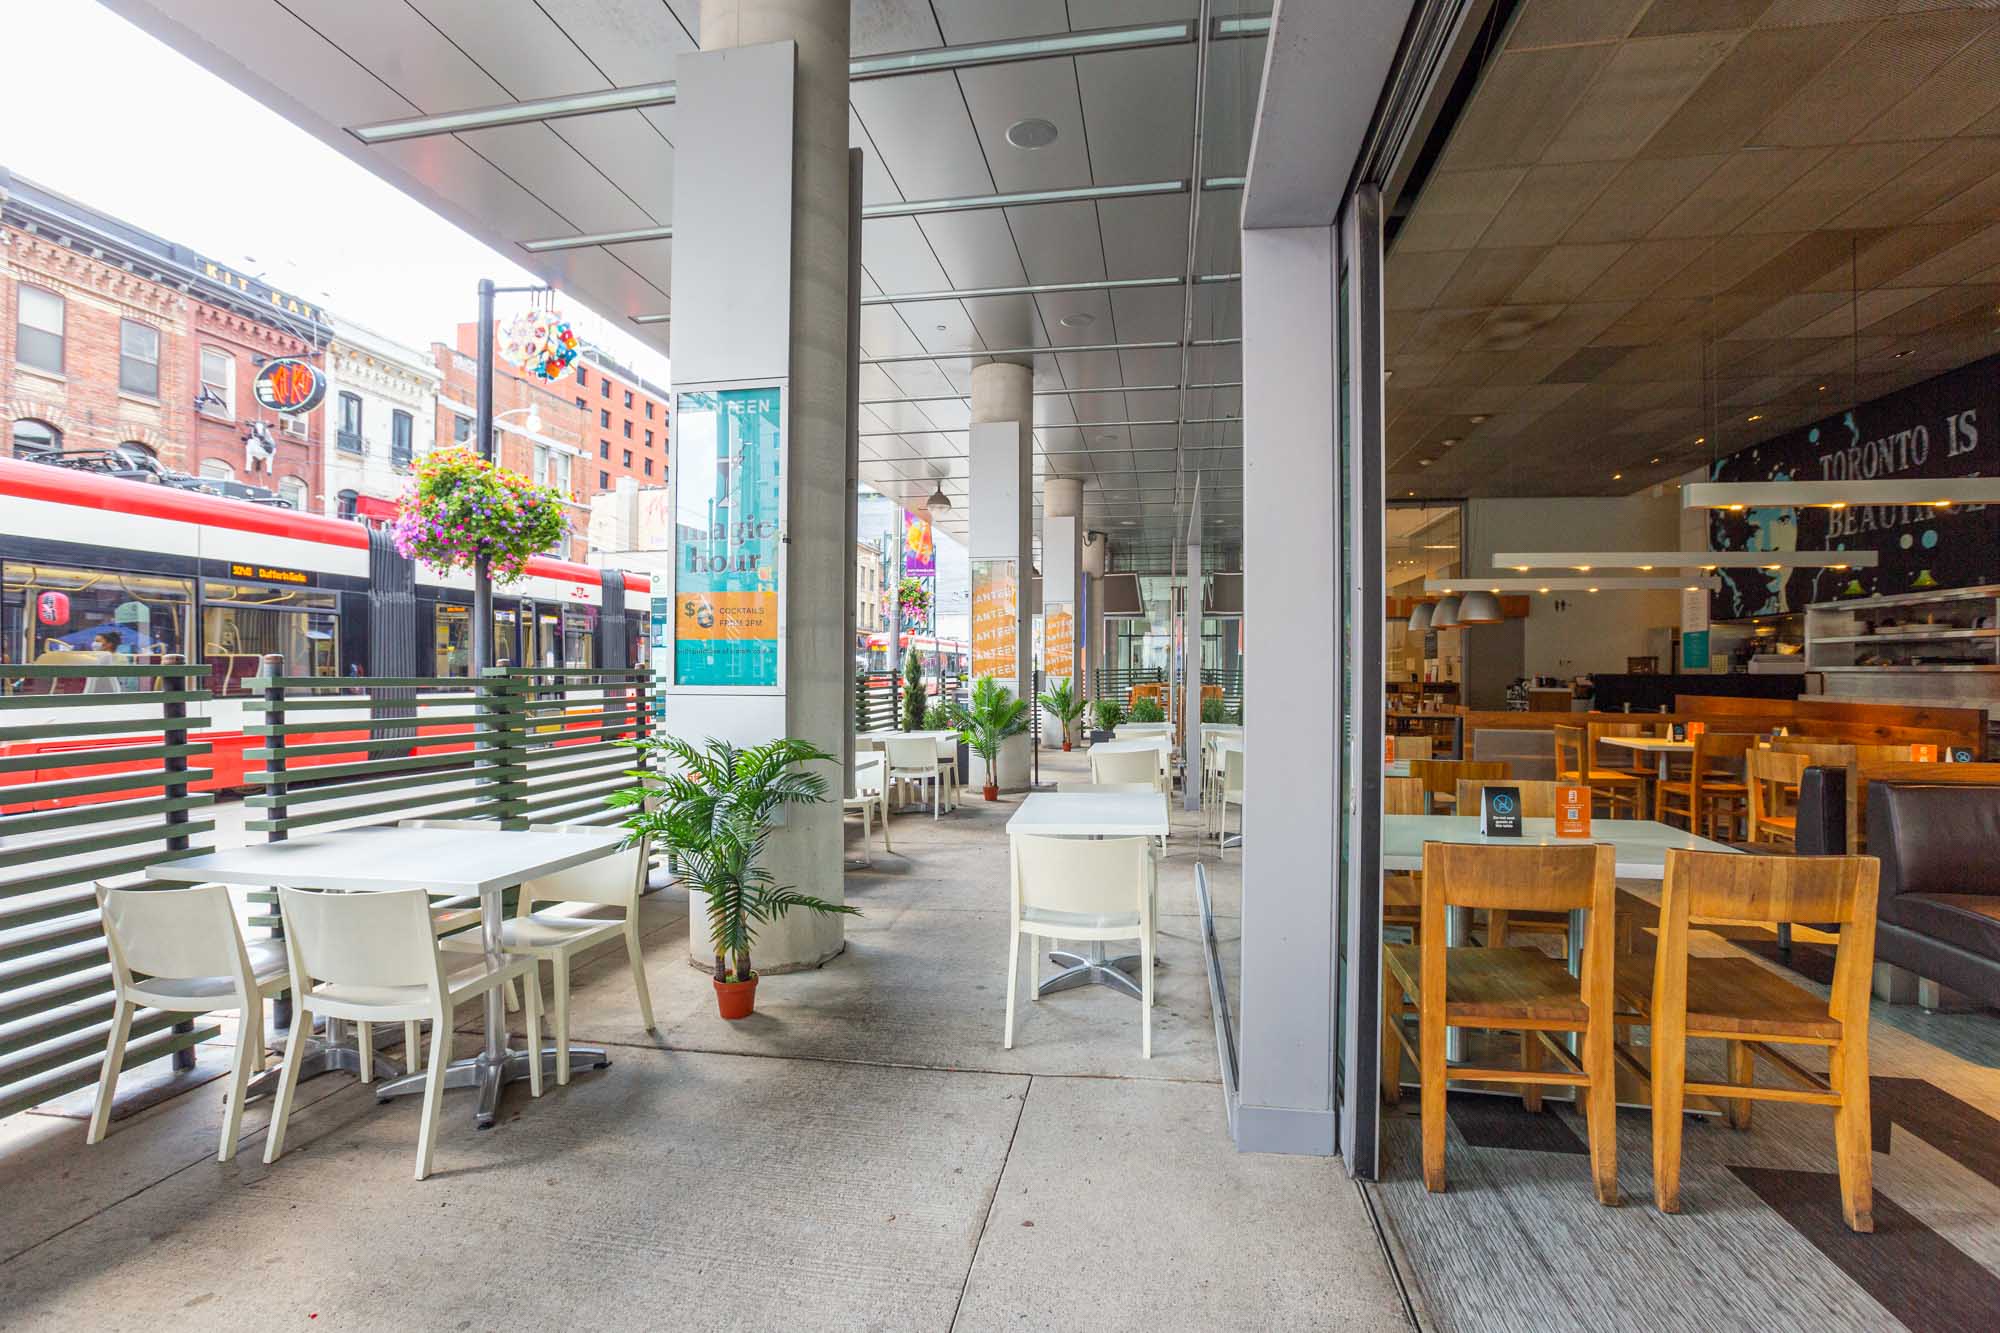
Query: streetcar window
{"x": 243, "y": 622}
{"x": 38, "y": 332}
{"x": 138, "y": 358}
{"x": 579, "y": 626}
{"x": 452, "y": 639}
{"x": 34, "y": 438}
{"x": 56, "y": 614}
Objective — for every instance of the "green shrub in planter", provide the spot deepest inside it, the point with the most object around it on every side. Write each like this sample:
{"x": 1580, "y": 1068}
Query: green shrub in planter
{"x": 1147, "y": 710}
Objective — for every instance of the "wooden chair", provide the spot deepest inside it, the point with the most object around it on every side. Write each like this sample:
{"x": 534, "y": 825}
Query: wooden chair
{"x": 1773, "y": 776}
{"x": 1402, "y": 893}
{"x": 1620, "y": 788}
{"x": 1756, "y": 1010}
{"x": 1622, "y": 759}
{"x": 1713, "y": 792}
{"x": 1440, "y": 778}
{"x": 1538, "y": 801}
{"x": 1509, "y": 989}
{"x": 1412, "y": 747}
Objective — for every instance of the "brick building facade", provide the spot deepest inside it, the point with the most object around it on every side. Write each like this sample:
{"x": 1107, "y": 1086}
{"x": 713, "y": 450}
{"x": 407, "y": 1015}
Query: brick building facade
{"x": 112, "y": 338}
{"x": 552, "y": 453}
{"x": 623, "y": 415}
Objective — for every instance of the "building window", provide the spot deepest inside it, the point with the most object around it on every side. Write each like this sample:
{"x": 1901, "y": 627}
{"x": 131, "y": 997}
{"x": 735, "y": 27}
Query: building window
{"x": 649, "y": 467}
{"x": 628, "y": 400}
{"x": 293, "y": 492}
{"x": 628, "y": 458}
{"x": 603, "y": 481}
{"x": 604, "y": 448}
{"x": 582, "y": 378}
{"x": 136, "y": 451}
{"x": 345, "y": 504}
{"x": 649, "y": 409}
{"x": 583, "y": 403}
{"x": 603, "y": 387}
{"x": 628, "y": 428}
{"x": 604, "y": 418}
{"x": 216, "y": 470}
{"x": 551, "y": 468}
{"x": 402, "y": 438}
{"x": 35, "y": 438}
{"x": 38, "y": 333}
{"x": 218, "y": 384}
{"x": 138, "y": 358}
{"x": 349, "y": 437}
{"x": 649, "y": 439}
{"x": 461, "y": 428}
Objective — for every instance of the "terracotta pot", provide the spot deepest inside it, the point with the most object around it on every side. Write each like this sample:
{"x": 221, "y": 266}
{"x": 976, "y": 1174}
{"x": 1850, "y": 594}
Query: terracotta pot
{"x": 992, "y": 792}
{"x": 1065, "y": 745}
{"x": 735, "y": 999}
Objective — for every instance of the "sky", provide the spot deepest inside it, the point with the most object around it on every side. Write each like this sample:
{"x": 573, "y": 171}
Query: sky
{"x": 175, "y": 154}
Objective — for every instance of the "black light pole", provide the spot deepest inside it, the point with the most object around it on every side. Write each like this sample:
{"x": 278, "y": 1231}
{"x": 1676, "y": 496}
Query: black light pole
{"x": 482, "y": 425}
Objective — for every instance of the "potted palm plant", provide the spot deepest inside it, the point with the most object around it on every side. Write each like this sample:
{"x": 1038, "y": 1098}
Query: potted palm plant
{"x": 1109, "y": 715}
{"x": 995, "y": 714}
{"x": 716, "y": 807}
{"x": 1060, "y": 700}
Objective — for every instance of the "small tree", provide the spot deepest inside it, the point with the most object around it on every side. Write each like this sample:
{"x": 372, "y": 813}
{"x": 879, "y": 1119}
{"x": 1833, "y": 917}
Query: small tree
{"x": 1062, "y": 704}
{"x": 914, "y": 698}
{"x": 1109, "y": 713}
{"x": 995, "y": 715}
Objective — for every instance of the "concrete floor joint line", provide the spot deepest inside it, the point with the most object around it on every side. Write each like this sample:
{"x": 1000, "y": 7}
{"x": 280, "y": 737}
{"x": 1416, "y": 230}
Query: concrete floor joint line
{"x": 992, "y": 1201}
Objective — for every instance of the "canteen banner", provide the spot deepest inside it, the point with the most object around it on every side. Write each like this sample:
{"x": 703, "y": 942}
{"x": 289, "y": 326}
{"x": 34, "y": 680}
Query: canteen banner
{"x": 728, "y": 494}
{"x": 1058, "y": 642}
{"x": 996, "y": 610}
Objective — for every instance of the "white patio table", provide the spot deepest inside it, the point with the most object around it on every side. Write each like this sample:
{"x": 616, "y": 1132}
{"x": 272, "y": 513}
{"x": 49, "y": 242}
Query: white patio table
{"x": 1089, "y": 815}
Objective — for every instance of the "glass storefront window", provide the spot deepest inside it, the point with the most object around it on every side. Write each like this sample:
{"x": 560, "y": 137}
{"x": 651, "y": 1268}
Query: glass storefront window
{"x": 242, "y": 622}
{"x": 56, "y": 614}
{"x": 452, "y": 639}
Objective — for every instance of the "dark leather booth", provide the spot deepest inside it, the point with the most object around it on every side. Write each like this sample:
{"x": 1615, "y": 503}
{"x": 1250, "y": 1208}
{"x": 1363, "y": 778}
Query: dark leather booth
{"x": 1939, "y": 910}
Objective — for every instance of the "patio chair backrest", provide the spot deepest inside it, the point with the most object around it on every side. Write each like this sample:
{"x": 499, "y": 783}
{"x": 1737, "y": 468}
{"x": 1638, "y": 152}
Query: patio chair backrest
{"x": 176, "y": 933}
{"x": 1100, "y": 881}
{"x": 911, "y": 754}
{"x": 613, "y": 880}
{"x": 1125, "y": 766}
{"x": 361, "y": 939}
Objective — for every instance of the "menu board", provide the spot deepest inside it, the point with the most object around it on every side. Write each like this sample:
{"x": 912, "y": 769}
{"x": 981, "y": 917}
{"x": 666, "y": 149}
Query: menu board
{"x": 1059, "y": 642}
{"x": 728, "y": 529}
{"x": 996, "y": 616}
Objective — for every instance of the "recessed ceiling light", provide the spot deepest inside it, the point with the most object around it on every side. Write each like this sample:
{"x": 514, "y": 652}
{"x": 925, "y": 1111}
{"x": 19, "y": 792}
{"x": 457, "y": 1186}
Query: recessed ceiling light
{"x": 1755, "y": 416}
{"x": 1701, "y": 439}
{"x": 941, "y": 328}
{"x": 1822, "y": 388}
{"x": 1031, "y": 133}
{"x": 1656, "y": 460}
{"x": 1079, "y": 320}
{"x": 1907, "y": 351}
{"x": 1448, "y": 443}
{"x": 1128, "y": 522}
{"x": 1478, "y": 420}
{"x": 1618, "y": 476}
{"x": 1423, "y": 462}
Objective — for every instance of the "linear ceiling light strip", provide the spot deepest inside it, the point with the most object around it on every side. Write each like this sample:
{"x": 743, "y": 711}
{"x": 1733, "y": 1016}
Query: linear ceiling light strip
{"x": 1046, "y": 425}
{"x": 970, "y": 54}
{"x": 907, "y": 208}
{"x": 517, "y": 113}
{"x": 1571, "y": 584}
{"x": 1940, "y": 493}
{"x": 546, "y": 244}
{"x": 1053, "y": 393}
{"x": 1585, "y": 561}
{"x": 1025, "y": 289}
{"x": 974, "y": 353}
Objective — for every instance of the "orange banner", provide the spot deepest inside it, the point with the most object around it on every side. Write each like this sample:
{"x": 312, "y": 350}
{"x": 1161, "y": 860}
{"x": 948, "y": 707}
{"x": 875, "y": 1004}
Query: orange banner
{"x": 996, "y": 609}
{"x": 1059, "y": 643}
{"x": 1572, "y": 811}
{"x": 712, "y": 616}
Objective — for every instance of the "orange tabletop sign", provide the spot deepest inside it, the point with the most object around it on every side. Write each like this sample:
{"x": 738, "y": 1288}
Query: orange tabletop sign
{"x": 1572, "y": 811}
{"x": 1924, "y": 754}
{"x": 1389, "y": 749}
{"x": 1696, "y": 728}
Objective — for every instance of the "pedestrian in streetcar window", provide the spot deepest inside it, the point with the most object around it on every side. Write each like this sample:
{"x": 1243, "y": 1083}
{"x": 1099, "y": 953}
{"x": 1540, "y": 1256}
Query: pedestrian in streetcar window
{"x": 104, "y": 649}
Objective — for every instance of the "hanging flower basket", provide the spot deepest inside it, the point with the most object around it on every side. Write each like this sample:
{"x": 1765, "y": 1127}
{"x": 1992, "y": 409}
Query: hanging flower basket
{"x": 460, "y": 507}
{"x": 540, "y": 342}
{"x": 914, "y": 596}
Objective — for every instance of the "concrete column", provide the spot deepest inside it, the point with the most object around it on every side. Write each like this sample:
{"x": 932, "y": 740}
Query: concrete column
{"x": 1062, "y": 582}
{"x": 1000, "y": 449}
{"x": 726, "y": 310}
{"x": 1291, "y": 577}
{"x": 1190, "y": 700}
{"x": 1096, "y": 550}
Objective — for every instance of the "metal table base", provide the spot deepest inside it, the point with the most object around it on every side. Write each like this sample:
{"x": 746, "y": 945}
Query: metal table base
{"x": 336, "y": 1051}
{"x": 1092, "y": 968}
{"x": 488, "y": 1075}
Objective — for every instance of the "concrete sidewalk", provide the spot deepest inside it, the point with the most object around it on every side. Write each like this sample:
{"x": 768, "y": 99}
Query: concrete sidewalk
{"x": 860, "y": 1154}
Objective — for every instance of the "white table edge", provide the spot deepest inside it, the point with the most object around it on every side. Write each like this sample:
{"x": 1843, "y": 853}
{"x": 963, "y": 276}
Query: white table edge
{"x": 190, "y": 871}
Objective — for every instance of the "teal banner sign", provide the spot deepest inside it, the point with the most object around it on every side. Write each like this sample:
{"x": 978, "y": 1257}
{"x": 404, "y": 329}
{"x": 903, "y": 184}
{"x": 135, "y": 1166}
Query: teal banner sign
{"x": 728, "y": 494}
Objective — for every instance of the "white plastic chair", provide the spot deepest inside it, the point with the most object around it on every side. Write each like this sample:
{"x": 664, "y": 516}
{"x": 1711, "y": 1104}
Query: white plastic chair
{"x": 871, "y": 795}
{"x": 195, "y": 961}
{"x": 559, "y": 935}
{"x": 1139, "y": 731}
{"x": 1228, "y": 792}
{"x": 372, "y": 957}
{"x": 1126, "y": 766}
{"x": 947, "y": 759}
{"x": 914, "y": 759}
{"x": 1081, "y": 889}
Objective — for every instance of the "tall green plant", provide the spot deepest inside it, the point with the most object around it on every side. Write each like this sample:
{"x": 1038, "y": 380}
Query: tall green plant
{"x": 995, "y": 714}
{"x": 715, "y": 814}
{"x": 1213, "y": 709}
{"x": 914, "y": 697}
{"x": 1062, "y": 704}
{"x": 1147, "y": 709}
{"x": 1109, "y": 713}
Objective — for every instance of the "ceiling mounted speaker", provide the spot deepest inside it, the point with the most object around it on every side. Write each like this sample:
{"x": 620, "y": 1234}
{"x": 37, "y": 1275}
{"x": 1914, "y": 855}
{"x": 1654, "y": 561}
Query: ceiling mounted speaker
{"x": 1480, "y": 608}
{"x": 1420, "y": 618}
{"x": 1446, "y": 614}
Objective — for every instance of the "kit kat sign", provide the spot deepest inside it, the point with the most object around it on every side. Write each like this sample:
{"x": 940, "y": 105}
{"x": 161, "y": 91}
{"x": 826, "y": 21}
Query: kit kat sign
{"x": 290, "y": 385}
{"x": 1943, "y": 427}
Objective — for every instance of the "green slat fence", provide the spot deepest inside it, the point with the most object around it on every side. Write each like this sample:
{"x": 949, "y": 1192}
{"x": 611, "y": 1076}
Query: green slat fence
{"x": 113, "y": 743}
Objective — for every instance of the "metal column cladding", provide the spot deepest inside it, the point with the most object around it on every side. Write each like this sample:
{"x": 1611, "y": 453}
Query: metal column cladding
{"x": 392, "y": 608}
{"x": 611, "y": 617}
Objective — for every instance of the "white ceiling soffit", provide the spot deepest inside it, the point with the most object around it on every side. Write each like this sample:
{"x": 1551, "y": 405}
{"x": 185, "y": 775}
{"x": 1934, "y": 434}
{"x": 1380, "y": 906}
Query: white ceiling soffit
{"x": 1025, "y": 278}
{"x": 1324, "y": 69}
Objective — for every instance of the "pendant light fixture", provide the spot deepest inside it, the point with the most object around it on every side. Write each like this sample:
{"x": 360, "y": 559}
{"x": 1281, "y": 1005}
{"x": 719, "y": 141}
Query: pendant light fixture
{"x": 1446, "y": 614}
{"x": 1420, "y": 618}
{"x": 1480, "y": 608}
{"x": 939, "y": 504}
